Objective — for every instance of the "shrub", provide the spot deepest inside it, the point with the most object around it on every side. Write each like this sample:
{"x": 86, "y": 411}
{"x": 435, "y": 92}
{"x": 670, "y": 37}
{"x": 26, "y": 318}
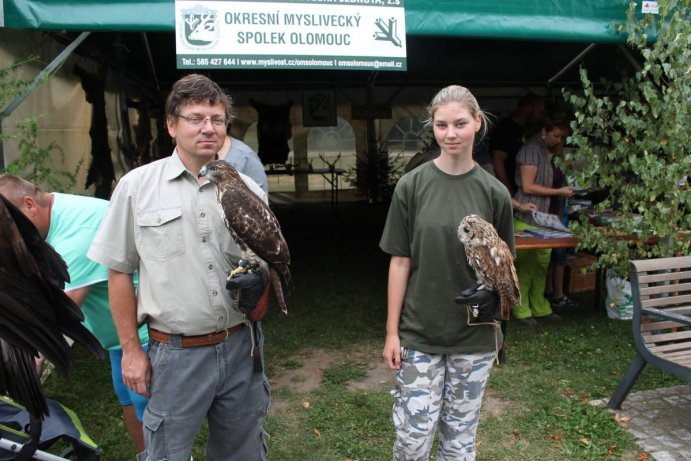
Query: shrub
{"x": 634, "y": 139}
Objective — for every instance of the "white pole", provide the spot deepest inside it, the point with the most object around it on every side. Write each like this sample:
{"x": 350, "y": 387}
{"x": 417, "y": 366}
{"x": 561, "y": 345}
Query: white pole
{"x": 15, "y": 447}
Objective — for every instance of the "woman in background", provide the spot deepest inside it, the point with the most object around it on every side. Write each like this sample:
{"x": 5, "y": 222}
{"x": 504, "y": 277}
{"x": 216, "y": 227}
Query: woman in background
{"x": 535, "y": 178}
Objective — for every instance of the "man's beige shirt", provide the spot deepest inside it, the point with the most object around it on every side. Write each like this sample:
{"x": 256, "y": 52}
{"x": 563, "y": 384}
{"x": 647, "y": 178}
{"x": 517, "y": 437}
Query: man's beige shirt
{"x": 166, "y": 226}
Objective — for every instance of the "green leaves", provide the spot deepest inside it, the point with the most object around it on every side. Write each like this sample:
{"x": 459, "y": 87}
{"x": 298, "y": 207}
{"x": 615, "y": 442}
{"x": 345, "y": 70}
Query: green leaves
{"x": 35, "y": 162}
{"x": 633, "y": 139}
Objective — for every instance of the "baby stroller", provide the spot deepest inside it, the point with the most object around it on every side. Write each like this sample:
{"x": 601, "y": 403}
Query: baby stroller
{"x": 24, "y": 438}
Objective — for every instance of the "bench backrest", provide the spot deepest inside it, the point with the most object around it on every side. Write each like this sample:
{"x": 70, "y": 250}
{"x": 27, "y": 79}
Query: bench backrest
{"x": 664, "y": 284}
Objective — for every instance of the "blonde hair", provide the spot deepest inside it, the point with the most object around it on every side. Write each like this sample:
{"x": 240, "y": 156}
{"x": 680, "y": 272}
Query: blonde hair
{"x": 463, "y": 96}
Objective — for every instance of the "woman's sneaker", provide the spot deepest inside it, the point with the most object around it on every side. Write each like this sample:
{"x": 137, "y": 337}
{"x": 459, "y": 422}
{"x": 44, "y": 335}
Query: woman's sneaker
{"x": 561, "y": 302}
{"x": 529, "y": 321}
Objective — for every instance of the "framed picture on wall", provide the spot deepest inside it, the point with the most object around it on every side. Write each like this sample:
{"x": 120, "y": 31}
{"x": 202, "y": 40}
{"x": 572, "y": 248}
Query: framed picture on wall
{"x": 319, "y": 108}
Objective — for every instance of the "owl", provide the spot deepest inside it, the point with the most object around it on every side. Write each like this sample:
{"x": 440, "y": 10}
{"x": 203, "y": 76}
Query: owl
{"x": 491, "y": 259}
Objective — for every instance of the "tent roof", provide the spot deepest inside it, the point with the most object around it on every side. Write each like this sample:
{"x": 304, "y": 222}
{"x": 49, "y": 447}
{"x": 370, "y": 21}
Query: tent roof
{"x": 484, "y": 43}
{"x": 560, "y": 20}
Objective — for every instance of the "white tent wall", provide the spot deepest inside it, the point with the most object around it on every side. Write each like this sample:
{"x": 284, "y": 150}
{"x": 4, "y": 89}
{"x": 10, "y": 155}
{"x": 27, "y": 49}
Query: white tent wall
{"x": 405, "y": 102}
{"x": 64, "y": 115}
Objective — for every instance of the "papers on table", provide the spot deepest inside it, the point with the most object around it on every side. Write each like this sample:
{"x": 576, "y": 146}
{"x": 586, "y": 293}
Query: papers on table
{"x": 550, "y": 226}
{"x": 546, "y": 233}
{"x": 551, "y": 221}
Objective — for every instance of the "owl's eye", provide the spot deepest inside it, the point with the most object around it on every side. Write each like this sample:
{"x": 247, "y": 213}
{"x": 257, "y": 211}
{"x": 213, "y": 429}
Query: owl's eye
{"x": 466, "y": 229}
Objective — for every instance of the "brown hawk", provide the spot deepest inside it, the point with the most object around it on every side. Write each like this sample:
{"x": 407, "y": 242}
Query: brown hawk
{"x": 35, "y": 312}
{"x": 252, "y": 225}
{"x": 491, "y": 259}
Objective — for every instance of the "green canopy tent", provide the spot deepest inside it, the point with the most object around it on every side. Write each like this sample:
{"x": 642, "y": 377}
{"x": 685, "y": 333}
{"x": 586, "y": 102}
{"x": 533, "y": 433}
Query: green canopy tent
{"x": 509, "y": 40}
{"x": 480, "y": 43}
{"x": 567, "y": 20}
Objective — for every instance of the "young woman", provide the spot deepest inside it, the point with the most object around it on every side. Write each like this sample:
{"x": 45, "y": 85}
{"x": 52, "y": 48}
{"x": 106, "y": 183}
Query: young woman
{"x": 535, "y": 179}
{"x": 442, "y": 363}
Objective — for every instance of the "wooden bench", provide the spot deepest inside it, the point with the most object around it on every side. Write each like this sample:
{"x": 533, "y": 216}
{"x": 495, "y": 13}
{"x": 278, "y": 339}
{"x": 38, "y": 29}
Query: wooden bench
{"x": 661, "y": 290}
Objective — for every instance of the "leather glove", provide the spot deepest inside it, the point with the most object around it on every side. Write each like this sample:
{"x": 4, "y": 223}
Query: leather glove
{"x": 247, "y": 288}
{"x": 482, "y": 305}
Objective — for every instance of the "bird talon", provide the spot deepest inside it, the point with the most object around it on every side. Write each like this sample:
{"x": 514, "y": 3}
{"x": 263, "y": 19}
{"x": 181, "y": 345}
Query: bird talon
{"x": 244, "y": 267}
{"x": 237, "y": 272}
{"x": 251, "y": 265}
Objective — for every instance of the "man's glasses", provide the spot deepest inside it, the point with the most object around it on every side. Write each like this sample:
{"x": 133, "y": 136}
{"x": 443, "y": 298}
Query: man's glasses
{"x": 196, "y": 120}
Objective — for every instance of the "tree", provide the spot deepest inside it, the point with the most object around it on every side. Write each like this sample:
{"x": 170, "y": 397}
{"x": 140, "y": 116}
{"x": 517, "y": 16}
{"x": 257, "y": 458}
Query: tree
{"x": 378, "y": 174}
{"x": 35, "y": 163}
{"x": 633, "y": 139}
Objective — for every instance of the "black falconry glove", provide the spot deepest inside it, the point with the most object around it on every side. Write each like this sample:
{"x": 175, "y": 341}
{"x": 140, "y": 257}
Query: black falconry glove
{"x": 247, "y": 288}
{"x": 482, "y": 306}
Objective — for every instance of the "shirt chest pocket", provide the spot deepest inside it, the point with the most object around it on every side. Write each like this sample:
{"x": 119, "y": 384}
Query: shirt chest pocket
{"x": 161, "y": 236}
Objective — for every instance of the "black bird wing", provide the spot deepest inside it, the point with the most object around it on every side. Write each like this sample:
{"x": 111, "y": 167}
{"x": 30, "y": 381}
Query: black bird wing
{"x": 35, "y": 312}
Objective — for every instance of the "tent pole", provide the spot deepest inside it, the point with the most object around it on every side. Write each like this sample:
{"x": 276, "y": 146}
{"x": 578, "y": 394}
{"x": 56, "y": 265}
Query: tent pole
{"x": 150, "y": 57}
{"x": 2, "y": 149}
{"x": 372, "y": 144}
{"x": 573, "y": 62}
{"x": 627, "y": 53}
{"x": 40, "y": 78}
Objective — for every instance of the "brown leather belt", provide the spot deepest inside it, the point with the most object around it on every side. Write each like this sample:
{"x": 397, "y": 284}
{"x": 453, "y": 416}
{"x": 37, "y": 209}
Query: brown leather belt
{"x": 199, "y": 340}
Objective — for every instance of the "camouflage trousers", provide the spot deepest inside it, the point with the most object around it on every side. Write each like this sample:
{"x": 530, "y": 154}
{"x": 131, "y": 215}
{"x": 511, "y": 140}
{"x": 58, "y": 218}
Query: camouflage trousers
{"x": 443, "y": 388}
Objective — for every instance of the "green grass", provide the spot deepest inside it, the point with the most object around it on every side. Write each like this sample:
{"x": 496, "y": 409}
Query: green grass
{"x": 339, "y": 305}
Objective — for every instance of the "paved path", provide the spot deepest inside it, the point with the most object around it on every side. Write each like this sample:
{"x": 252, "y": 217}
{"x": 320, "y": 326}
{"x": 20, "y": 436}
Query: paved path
{"x": 660, "y": 421}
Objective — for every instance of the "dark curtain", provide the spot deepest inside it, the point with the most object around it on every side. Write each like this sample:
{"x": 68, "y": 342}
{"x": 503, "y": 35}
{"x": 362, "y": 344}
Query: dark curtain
{"x": 273, "y": 131}
{"x": 101, "y": 172}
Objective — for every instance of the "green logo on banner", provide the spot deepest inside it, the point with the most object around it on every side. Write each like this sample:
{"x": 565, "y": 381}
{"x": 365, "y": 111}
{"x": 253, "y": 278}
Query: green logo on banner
{"x": 201, "y": 27}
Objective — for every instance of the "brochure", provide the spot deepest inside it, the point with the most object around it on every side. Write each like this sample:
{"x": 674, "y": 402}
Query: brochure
{"x": 547, "y": 233}
{"x": 549, "y": 220}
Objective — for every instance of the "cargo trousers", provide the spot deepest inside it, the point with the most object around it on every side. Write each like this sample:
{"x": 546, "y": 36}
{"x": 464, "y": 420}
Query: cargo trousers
{"x": 219, "y": 383}
{"x": 444, "y": 388}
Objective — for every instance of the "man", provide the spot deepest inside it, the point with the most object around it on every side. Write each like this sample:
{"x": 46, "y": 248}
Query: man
{"x": 163, "y": 221}
{"x": 510, "y": 134}
{"x": 245, "y": 160}
{"x": 69, "y": 223}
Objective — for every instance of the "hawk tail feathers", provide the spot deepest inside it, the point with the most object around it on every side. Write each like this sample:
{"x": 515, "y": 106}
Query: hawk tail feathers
{"x": 287, "y": 277}
{"x": 275, "y": 278}
{"x": 283, "y": 272}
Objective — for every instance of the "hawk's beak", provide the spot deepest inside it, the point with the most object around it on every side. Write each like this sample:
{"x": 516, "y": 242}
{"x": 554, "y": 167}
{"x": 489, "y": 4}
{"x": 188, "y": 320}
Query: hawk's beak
{"x": 202, "y": 172}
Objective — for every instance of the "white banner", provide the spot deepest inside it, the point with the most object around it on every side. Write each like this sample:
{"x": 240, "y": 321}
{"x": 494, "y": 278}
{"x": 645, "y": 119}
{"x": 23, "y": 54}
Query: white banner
{"x": 307, "y": 34}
